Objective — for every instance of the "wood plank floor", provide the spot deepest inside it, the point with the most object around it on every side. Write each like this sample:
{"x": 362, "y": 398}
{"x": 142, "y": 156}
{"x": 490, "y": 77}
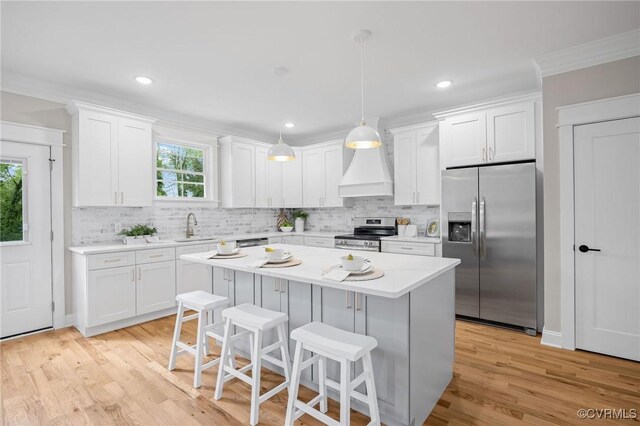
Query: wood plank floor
{"x": 501, "y": 377}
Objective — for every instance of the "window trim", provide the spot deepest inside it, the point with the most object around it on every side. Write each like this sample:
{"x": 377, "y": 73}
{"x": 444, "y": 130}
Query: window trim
{"x": 207, "y": 170}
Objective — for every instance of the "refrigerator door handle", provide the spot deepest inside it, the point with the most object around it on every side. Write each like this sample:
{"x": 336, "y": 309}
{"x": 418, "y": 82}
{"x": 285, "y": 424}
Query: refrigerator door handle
{"x": 483, "y": 231}
{"x": 474, "y": 226}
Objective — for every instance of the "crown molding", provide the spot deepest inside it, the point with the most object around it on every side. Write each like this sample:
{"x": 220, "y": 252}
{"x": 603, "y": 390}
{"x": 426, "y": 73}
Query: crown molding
{"x": 410, "y": 120}
{"x": 585, "y": 55}
{"x": 63, "y": 94}
{"x": 495, "y": 102}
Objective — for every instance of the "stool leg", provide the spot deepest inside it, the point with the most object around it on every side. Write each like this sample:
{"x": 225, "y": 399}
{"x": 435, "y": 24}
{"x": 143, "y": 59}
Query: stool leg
{"x": 176, "y": 336}
{"x": 223, "y": 359}
{"x": 345, "y": 392}
{"x": 207, "y": 316}
{"x": 371, "y": 390}
{"x": 255, "y": 375}
{"x": 322, "y": 377}
{"x": 197, "y": 379}
{"x": 284, "y": 351}
{"x": 293, "y": 386}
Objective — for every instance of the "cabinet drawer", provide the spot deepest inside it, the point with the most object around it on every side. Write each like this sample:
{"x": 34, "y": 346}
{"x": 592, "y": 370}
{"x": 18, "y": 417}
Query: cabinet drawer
{"x": 421, "y": 249}
{"x": 111, "y": 260}
{"x": 155, "y": 255}
{"x": 276, "y": 240}
{"x": 319, "y": 242}
{"x": 200, "y": 248}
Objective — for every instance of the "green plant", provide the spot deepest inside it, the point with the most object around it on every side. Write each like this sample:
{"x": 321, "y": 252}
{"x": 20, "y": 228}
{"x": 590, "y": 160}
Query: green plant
{"x": 287, "y": 223}
{"x": 300, "y": 214}
{"x": 138, "y": 231}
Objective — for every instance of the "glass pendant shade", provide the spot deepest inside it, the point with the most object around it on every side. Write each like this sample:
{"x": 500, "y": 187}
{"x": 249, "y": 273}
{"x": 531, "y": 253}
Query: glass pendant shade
{"x": 281, "y": 152}
{"x": 363, "y": 137}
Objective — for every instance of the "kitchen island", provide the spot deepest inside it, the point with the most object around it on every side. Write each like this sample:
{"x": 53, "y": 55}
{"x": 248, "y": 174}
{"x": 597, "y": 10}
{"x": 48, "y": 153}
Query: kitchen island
{"x": 410, "y": 311}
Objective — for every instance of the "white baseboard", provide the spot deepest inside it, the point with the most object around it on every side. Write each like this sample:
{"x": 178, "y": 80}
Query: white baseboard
{"x": 551, "y": 338}
{"x": 70, "y": 320}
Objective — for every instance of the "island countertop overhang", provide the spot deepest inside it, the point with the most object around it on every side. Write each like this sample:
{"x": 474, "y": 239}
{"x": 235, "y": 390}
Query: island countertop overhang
{"x": 403, "y": 273}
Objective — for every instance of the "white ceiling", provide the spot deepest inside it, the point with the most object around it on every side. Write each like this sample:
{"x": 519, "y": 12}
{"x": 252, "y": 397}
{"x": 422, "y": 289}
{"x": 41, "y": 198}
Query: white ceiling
{"x": 215, "y": 60}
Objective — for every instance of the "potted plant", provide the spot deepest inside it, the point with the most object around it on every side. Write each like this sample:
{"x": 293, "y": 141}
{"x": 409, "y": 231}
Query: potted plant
{"x": 286, "y": 226}
{"x": 136, "y": 234}
{"x": 300, "y": 217}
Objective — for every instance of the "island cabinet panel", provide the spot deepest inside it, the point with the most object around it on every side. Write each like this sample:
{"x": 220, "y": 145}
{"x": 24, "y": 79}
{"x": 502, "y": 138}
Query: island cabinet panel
{"x": 243, "y": 292}
{"x": 191, "y": 276}
{"x": 387, "y": 320}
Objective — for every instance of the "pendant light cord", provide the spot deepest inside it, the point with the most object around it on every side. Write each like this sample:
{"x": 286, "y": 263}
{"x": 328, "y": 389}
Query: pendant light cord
{"x": 362, "y": 79}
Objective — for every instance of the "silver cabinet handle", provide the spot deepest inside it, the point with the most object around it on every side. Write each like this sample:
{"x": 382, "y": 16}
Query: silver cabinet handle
{"x": 483, "y": 230}
{"x": 491, "y": 154}
{"x": 346, "y": 300}
{"x": 153, "y": 256}
{"x": 418, "y": 198}
{"x": 414, "y": 197}
{"x": 116, "y": 259}
{"x": 283, "y": 288}
{"x": 406, "y": 248}
{"x": 357, "y": 298}
{"x": 139, "y": 273}
{"x": 474, "y": 226}
{"x": 121, "y": 197}
{"x": 276, "y": 285}
{"x": 115, "y": 197}
{"x": 133, "y": 276}
{"x": 484, "y": 155}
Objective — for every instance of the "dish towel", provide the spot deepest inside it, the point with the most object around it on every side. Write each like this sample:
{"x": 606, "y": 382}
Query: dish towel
{"x": 257, "y": 263}
{"x": 210, "y": 254}
{"x": 336, "y": 275}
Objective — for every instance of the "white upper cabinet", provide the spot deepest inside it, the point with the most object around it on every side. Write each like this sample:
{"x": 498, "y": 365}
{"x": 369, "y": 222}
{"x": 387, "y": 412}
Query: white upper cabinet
{"x": 112, "y": 157}
{"x": 322, "y": 170}
{"x": 262, "y": 184}
{"x": 416, "y": 164}
{"x": 502, "y": 132}
{"x": 237, "y": 172}
{"x": 274, "y": 183}
{"x": 292, "y": 181}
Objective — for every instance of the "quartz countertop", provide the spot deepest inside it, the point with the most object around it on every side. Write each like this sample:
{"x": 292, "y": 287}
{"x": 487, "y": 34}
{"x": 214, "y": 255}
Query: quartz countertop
{"x": 403, "y": 273}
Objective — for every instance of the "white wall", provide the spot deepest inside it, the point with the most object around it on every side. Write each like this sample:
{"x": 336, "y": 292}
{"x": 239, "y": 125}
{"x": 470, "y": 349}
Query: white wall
{"x": 598, "y": 82}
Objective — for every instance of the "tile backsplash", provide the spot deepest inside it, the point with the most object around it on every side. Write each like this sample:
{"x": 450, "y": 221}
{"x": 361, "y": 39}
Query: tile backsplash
{"x": 100, "y": 224}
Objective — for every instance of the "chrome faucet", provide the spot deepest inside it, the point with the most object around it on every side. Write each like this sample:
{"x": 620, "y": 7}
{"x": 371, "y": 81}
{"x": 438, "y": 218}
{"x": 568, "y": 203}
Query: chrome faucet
{"x": 190, "y": 233}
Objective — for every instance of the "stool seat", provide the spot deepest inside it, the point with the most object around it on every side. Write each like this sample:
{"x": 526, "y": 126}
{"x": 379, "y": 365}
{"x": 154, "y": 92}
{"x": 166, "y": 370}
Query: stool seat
{"x": 254, "y": 316}
{"x": 202, "y": 301}
{"x": 333, "y": 341}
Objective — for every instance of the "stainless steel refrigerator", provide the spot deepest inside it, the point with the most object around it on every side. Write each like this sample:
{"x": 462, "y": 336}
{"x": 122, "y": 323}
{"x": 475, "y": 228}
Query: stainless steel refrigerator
{"x": 489, "y": 223}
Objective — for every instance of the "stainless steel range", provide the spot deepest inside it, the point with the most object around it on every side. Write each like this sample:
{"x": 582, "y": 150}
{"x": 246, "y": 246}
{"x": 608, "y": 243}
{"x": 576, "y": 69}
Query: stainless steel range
{"x": 367, "y": 233}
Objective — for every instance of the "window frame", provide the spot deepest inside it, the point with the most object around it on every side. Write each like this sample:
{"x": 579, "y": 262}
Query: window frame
{"x": 207, "y": 170}
{"x": 24, "y": 161}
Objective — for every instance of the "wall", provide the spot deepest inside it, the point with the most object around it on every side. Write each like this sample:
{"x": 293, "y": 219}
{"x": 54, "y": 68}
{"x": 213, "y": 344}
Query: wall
{"x": 599, "y": 82}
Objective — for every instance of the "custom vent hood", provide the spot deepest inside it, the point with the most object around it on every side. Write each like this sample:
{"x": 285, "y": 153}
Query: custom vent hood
{"x": 368, "y": 174}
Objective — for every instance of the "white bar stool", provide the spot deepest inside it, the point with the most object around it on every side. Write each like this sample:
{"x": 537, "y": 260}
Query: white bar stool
{"x": 345, "y": 347}
{"x": 254, "y": 320}
{"x": 203, "y": 303}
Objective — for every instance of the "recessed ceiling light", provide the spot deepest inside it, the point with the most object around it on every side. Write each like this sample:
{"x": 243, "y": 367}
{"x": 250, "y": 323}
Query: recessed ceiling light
{"x": 443, "y": 84}
{"x": 144, "y": 80}
{"x": 289, "y": 125}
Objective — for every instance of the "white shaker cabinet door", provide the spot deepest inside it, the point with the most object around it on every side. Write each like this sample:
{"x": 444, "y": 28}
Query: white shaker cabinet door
{"x": 96, "y": 160}
{"x": 261, "y": 178}
{"x": 274, "y": 183}
{"x": 511, "y": 133}
{"x": 135, "y": 161}
{"x": 155, "y": 287}
{"x": 191, "y": 276}
{"x": 427, "y": 166}
{"x": 332, "y": 176}
{"x": 313, "y": 178}
{"x": 292, "y": 182}
{"x": 243, "y": 175}
{"x": 111, "y": 295}
{"x": 465, "y": 140}
{"x": 404, "y": 158}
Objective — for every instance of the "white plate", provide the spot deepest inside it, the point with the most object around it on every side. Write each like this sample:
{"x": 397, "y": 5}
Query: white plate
{"x": 283, "y": 260}
{"x": 235, "y": 251}
{"x": 366, "y": 268}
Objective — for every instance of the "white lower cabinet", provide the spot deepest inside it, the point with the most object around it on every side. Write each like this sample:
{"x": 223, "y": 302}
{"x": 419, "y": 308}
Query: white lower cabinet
{"x": 155, "y": 286}
{"x": 420, "y": 249}
{"x": 191, "y": 276}
{"x": 111, "y": 295}
{"x": 326, "y": 242}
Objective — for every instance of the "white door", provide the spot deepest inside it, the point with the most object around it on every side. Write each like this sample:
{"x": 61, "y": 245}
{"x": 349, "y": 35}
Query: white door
{"x": 466, "y": 140}
{"x": 332, "y": 177}
{"x": 25, "y": 238}
{"x": 155, "y": 286}
{"x": 262, "y": 178}
{"x": 607, "y": 219}
{"x": 404, "y": 160}
{"x": 191, "y": 276}
{"x": 274, "y": 182}
{"x": 313, "y": 177}
{"x": 135, "y": 161}
{"x": 292, "y": 182}
{"x": 243, "y": 175}
{"x": 427, "y": 167}
{"x": 111, "y": 295}
{"x": 510, "y": 133}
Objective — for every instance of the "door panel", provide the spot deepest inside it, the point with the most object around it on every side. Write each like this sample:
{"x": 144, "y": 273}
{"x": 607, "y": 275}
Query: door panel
{"x": 459, "y": 190}
{"x": 274, "y": 182}
{"x": 25, "y": 247}
{"x": 404, "y": 158}
{"x": 135, "y": 161}
{"x": 262, "y": 178}
{"x": 510, "y": 133}
{"x": 428, "y": 166}
{"x": 333, "y": 176}
{"x": 97, "y": 157}
{"x": 465, "y": 140}
{"x": 337, "y": 309}
{"x": 111, "y": 295}
{"x": 292, "y": 181}
{"x": 508, "y": 247}
{"x": 155, "y": 286}
{"x": 313, "y": 177}
{"x": 607, "y": 212}
{"x": 243, "y": 175}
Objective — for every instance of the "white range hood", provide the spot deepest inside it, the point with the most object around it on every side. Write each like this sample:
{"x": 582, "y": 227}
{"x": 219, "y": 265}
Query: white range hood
{"x": 368, "y": 174}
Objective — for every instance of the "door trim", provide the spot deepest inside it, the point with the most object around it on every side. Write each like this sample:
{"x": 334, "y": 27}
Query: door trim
{"x": 54, "y": 138}
{"x": 569, "y": 116}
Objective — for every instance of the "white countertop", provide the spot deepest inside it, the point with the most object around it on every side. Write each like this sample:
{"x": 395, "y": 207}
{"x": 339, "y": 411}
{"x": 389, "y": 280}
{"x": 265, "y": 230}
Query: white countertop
{"x": 417, "y": 239}
{"x": 403, "y": 273}
{"x": 115, "y": 246}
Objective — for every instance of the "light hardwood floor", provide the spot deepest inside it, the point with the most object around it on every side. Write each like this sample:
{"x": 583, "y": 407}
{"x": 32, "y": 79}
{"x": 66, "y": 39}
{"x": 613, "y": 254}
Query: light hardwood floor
{"x": 501, "y": 377}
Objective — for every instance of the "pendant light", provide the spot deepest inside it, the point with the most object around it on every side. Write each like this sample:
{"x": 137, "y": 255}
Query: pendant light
{"x": 362, "y": 136}
{"x": 280, "y": 151}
